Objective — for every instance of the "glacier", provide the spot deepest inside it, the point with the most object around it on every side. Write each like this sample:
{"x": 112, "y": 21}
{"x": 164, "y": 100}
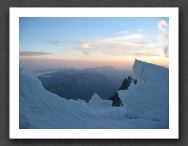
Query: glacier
{"x": 146, "y": 104}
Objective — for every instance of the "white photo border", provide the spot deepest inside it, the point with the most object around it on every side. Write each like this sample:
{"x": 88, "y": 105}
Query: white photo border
{"x": 172, "y": 133}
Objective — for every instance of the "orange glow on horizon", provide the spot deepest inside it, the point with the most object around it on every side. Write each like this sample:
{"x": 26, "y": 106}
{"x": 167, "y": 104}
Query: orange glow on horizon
{"x": 121, "y": 62}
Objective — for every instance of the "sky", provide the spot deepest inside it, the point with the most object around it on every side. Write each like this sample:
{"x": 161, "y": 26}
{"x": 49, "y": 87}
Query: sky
{"x": 80, "y": 42}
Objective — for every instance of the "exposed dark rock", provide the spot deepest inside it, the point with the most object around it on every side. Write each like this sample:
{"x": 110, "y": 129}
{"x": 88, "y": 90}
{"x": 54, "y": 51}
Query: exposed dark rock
{"x": 116, "y": 101}
{"x": 135, "y": 81}
{"x": 126, "y": 83}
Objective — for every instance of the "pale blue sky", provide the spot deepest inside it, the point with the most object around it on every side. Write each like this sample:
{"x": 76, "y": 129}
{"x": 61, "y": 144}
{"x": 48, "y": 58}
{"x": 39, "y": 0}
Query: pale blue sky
{"x": 53, "y": 34}
{"x": 105, "y": 39}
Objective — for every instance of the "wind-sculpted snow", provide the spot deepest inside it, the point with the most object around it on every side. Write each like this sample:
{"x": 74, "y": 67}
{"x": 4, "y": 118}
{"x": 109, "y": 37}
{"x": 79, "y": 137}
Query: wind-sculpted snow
{"x": 97, "y": 100}
{"x": 149, "y": 99}
{"x": 145, "y": 104}
{"x": 147, "y": 73}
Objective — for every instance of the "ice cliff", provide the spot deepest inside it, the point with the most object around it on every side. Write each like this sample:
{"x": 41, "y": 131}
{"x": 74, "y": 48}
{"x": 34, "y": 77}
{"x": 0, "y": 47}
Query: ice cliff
{"x": 149, "y": 99}
{"x": 147, "y": 73}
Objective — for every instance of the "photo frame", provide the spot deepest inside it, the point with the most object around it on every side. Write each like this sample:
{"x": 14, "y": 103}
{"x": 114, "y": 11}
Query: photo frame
{"x": 171, "y": 133}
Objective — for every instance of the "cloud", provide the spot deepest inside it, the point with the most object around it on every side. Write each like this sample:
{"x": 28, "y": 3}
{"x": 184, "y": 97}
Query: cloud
{"x": 33, "y": 53}
{"x": 85, "y": 47}
{"x": 124, "y": 38}
{"x": 54, "y": 42}
{"x": 118, "y": 45}
{"x": 140, "y": 30}
{"x": 162, "y": 25}
{"x": 123, "y": 32}
{"x": 166, "y": 52}
{"x": 124, "y": 43}
{"x": 135, "y": 36}
{"x": 163, "y": 36}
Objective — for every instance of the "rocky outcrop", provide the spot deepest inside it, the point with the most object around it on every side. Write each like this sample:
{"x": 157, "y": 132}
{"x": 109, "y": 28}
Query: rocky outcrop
{"x": 116, "y": 101}
{"x": 126, "y": 83}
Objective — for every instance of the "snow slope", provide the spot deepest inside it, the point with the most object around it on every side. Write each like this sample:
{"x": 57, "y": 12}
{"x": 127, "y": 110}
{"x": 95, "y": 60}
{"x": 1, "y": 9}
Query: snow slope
{"x": 145, "y": 104}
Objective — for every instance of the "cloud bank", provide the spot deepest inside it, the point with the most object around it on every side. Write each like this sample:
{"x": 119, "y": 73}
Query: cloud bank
{"x": 163, "y": 28}
{"x": 33, "y": 53}
{"x": 125, "y": 43}
{"x": 54, "y": 42}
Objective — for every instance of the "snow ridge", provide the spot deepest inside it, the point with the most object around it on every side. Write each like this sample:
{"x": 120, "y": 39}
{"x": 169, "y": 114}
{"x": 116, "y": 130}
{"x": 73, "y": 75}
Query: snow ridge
{"x": 148, "y": 73}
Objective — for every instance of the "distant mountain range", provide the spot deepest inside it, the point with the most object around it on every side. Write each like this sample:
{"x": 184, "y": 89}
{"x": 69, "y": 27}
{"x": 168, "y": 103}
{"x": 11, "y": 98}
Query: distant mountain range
{"x": 82, "y": 84}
